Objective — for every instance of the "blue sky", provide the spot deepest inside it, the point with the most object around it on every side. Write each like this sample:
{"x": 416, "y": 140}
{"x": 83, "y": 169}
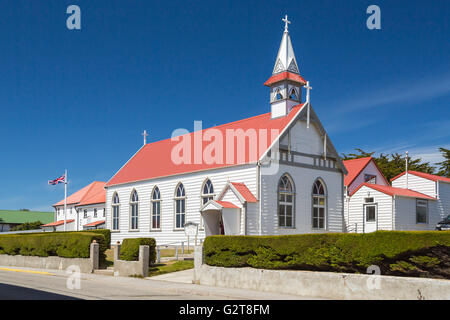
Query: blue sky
{"x": 80, "y": 99}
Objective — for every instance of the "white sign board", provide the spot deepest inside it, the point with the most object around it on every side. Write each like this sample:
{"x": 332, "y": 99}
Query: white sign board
{"x": 191, "y": 229}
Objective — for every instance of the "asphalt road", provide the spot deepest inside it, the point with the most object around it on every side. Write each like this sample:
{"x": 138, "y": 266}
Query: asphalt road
{"x": 10, "y": 292}
{"x": 22, "y": 283}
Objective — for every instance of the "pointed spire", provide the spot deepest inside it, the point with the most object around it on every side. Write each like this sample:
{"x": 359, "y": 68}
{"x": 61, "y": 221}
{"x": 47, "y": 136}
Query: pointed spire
{"x": 286, "y": 58}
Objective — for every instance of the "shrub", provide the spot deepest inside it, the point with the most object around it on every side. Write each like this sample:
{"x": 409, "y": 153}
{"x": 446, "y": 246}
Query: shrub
{"x": 27, "y": 226}
{"x": 327, "y": 252}
{"x": 105, "y": 232}
{"x": 130, "y": 249}
{"x": 66, "y": 245}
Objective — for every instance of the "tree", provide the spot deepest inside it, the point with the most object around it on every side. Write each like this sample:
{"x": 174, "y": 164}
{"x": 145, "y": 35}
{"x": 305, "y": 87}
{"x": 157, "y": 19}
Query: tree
{"x": 393, "y": 164}
{"x": 444, "y": 169}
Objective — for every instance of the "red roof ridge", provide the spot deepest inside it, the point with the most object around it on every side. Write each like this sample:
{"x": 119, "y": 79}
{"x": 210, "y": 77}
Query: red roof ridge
{"x": 84, "y": 194}
{"x": 389, "y": 190}
{"x": 57, "y": 223}
{"x": 244, "y": 191}
{"x": 424, "y": 175}
{"x": 226, "y": 204}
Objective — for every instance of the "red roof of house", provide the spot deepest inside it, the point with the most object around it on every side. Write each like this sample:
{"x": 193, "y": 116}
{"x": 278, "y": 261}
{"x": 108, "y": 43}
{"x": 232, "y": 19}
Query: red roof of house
{"x": 394, "y": 191}
{"x": 155, "y": 159}
{"x": 244, "y": 192}
{"x": 226, "y": 204}
{"x": 57, "y": 223}
{"x": 285, "y": 76}
{"x": 95, "y": 223}
{"x": 428, "y": 176}
{"x": 354, "y": 168}
{"x": 91, "y": 194}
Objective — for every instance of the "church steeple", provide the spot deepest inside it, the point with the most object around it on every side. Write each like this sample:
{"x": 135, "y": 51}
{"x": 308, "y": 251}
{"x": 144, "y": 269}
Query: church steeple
{"x": 286, "y": 81}
{"x": 286, "y": 58}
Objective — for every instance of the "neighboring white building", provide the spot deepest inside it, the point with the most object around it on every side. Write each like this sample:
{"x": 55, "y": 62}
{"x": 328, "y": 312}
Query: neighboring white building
{"x": 85, "y": 209}
{"x": 432, "y": 185}
{"x": 371, "y": 204}
{"x": 272, "y": 174}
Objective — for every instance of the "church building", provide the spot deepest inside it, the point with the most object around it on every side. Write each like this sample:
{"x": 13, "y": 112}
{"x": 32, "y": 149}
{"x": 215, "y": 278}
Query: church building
{"x": 276, "y": 173}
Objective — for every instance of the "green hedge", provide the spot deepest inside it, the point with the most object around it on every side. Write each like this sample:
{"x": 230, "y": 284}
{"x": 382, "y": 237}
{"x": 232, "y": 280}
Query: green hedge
{"x": 44, "y": 244}
{"x": 326, "y": 252}
{"x": 130, "y": 249}
{"x": 105, "y": 232}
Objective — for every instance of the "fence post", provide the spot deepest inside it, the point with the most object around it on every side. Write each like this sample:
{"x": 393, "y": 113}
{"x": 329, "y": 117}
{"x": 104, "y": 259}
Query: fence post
{"x": 117, "y": 251}
{"x": 182, "y": 247}
{"x": 158, "y": 254}
{"x": 176, "y": 252}
{"x": 94, "y": 255}
{"x": 198, "y": 261}
{"x": 144, "y": 253}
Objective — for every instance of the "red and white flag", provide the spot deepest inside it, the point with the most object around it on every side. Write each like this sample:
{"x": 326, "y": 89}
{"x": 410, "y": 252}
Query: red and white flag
{"x": 61, "y": 179}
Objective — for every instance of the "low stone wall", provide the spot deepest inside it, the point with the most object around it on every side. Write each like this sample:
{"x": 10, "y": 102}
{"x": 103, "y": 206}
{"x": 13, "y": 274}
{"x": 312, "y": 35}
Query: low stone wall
{"x": 321, "y": 284}
{"x": 131, "y": 268}
{"x": 86, "y": 265}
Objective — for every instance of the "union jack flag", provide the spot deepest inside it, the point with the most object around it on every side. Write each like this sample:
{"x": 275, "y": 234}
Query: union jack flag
{"x": 61, "y": 179}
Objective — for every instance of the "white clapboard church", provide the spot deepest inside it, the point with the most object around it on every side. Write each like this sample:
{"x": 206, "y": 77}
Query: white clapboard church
{"x": 275, "y": 173}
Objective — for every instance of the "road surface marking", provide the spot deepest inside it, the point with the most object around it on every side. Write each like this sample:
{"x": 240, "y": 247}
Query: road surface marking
{"x": 28, "y": 271}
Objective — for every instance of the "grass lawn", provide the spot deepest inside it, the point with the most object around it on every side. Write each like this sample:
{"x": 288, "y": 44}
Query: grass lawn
{"x": 171, "y": 252}
{"x": 170, "y": 266}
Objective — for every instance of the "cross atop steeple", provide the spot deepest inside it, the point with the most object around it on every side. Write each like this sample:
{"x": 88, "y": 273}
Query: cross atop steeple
{"x": 286, "y": 23}
{"x": 286, "y": 58}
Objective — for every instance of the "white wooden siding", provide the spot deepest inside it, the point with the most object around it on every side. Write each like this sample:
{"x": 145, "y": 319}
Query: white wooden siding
{"x": 192, "y": 183}
{"x": 304, "y": 179}
{"x": 405, "y": 214}
{"x": 443, "y": 203}
{"x": 355, "y": 214}
{"x": 303, "y": 139}
{"x": 416, "y": 183}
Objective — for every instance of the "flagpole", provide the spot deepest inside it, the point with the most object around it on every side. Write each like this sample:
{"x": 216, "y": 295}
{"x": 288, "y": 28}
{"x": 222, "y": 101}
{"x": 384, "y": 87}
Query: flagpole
{"x": 65, "y": 199}
{"x": 407, "y": 169}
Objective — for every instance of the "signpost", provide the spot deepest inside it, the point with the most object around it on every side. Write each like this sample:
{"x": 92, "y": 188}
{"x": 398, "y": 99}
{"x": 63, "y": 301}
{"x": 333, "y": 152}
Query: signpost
{"x": 191, "y": 230}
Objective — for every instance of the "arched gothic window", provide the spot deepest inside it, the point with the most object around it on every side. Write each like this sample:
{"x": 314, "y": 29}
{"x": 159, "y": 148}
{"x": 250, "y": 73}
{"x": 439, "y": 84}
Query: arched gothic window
{"x": 134, "y": 210}
{"x": 115, "y": 212}
{"x": 319, "y": 200}
{"x": 156, "y": 209}
{"x": 293, "y": 95}
{"x": 180, "y": 206}
{"x": 207, "y": 191}
{"x": 286, "y": 202}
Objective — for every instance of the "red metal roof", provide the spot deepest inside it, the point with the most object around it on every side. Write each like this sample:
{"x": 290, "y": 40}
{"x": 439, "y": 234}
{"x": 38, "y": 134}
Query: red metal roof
{"x": 285, "y": 76}
{"x": 57, "y": 223}
{"x": 95, "y": 223}
{"x": 244, "y": 192}
{"x": 226, "y": 204}
{"x": 394, "y": 191}
{"x": 154, "y": 160}
{"x": 354, "y": 168}
{"x": 428, "y": 176}
{"x": 91, "y": 194}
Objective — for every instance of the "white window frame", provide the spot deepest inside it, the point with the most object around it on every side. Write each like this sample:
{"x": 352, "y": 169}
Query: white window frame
{"x": 134, "y": 203}
{"x": 285, "y": 193}
{"x": 319, "y": 206}
{"x": 157, "y": 202}
{"x": 182, "y": 200}
{"x": 115, "y": 206}
{"x": 424, "y": 204}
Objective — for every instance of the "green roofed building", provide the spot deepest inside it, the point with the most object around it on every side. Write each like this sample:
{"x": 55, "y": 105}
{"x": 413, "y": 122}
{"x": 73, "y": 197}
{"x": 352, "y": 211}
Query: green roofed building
{"x": 12, "y": 218}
